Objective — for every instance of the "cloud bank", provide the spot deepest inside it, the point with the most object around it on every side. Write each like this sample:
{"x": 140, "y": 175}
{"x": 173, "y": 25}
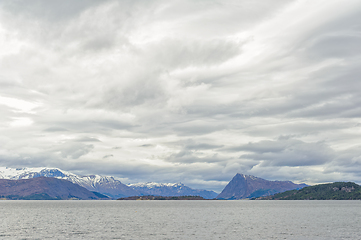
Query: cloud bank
{"x": 190, "y": 91}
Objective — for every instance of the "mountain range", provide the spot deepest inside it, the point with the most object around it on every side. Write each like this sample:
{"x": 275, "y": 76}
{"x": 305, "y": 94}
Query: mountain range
{"x": 171, "y": 189}
{"x": 240, "y": 187}
{"x": 107, "y": 185}
{"x": 46, "y": 189}
{"x": 248, "y": 186}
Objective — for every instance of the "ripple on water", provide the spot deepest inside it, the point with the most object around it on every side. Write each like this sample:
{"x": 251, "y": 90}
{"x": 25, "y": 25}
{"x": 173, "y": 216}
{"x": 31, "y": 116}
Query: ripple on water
{"x": 180, "y": 219}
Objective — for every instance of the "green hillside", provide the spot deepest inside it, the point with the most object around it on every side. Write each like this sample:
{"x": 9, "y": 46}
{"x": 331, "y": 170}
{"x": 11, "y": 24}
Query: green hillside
{"x": 331, "y": 191}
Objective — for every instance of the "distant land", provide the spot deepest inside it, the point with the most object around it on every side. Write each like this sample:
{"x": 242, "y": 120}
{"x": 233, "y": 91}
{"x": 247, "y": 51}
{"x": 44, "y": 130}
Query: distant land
{"x": 44, "y": 188}
{"x": 73, "y": 186}
{"x": 248, "y": 186}
{"x": 163, "y": 198}
{"x": 106, "y": 185}
{"x": 330, "y": 191}
{"x": 171, "y": 189}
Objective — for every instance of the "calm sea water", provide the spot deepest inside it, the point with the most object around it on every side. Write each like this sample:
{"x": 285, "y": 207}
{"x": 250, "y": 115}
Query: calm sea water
{"x": 180, "y": 220}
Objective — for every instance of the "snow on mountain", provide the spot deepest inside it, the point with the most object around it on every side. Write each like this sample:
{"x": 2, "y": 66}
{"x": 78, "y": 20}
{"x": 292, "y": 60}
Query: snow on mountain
{"x": 170, "y": 189}
{"x": 154, "y": 185}
{"x": 104, "y": 184}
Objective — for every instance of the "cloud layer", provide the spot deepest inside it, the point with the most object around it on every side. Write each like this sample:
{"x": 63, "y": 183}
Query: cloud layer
{"x": 190, "y": 91}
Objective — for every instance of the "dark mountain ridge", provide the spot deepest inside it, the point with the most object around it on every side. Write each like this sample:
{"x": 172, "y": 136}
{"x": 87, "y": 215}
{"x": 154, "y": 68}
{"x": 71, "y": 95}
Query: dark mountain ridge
{"x": 248, "y": 186}
{"x": 329, "y": 191}
{"x": 45, "y": 188}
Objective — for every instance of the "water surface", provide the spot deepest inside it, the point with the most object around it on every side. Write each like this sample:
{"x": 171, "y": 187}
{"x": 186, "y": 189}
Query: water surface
{"x": 180, "y": 220}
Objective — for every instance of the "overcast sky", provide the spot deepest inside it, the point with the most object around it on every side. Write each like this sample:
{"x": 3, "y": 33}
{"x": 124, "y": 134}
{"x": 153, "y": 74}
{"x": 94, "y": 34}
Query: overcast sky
{"x": 190, "y": 91}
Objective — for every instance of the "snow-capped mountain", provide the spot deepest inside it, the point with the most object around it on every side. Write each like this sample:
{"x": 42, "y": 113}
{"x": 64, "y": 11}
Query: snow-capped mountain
{"x": 103, "y": 184}
{"x": 106, "y": 185}
{"x": 170, "y": 189}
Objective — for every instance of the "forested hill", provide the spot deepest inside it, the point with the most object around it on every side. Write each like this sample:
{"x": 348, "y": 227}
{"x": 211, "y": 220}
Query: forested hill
{"x": 331, "y": 191}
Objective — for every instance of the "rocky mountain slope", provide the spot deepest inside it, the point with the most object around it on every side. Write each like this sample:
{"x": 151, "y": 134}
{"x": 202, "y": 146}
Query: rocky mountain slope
{"x": 103, "y": 184}
{"x": 330, "y": 191}
{"x": 170, "y": 189}
{"x": 44, "y": 188}
{"x": 247, "y": 186}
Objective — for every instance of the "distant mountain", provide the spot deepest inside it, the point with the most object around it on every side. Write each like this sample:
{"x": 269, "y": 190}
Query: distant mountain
{"x": 330, "y": 191}
{"x": 45, "y": 189}
{"x": 103, "y": 184}
{"x": 170, "y": 189}
{"x": 107, "y": 185}
{"x": 247, "y": 186}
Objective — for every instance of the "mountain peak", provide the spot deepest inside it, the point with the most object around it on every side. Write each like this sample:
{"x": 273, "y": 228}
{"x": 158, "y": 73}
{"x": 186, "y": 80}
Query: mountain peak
{"x": 248, "y": 186}
{"x": 44, "y": 188}
{"x": 241, "y": 175}
{"x": 103, "y": 184}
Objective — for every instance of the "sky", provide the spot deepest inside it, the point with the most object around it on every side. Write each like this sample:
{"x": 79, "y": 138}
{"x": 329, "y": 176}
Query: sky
{"x": 190, "y": 91}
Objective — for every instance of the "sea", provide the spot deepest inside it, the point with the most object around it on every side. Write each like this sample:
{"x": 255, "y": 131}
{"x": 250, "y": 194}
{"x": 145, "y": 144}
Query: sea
{"x": 238, "y": 219}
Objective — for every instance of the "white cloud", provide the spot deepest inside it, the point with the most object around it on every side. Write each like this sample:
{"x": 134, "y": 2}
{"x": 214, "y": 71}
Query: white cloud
{"x": 21, "y": 122}
{"x": 18, "y": 104}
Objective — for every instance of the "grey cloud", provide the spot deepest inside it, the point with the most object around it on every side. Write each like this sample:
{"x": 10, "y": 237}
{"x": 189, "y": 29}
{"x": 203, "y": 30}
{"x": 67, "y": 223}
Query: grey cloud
{"x": 7, "y": 82}
{"x": 198, "y": 127}
{"x": 55, "y": 129}
{"x": 191, "y": 144}
{"x": 337, "y": 38}
{"x": 184, "y": 87}
{"x": 82, "y": 124}
{"x": 142, "y": 89}
{"x": 190, "y": 157}
{"x": 48, "y": 10}
{"x": 338, "y": 46}
{"x": 147, "y": 145}
{"x": 263, "y": 146}
{"x": 87, "y": 139}
{"x": 202, "y": 146}
{"x": 347, "y": 161}
{"x": 181, "y": 53}
{"x": 74, "y": 150}
{"x": 296, "y": 128}
{"x": 221, "y": 17}
{"x": 289, "y": 152}
{"x": 68, "y": 28}
{"x": 99, "y": 43}
{"x": 25, "y": 159}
